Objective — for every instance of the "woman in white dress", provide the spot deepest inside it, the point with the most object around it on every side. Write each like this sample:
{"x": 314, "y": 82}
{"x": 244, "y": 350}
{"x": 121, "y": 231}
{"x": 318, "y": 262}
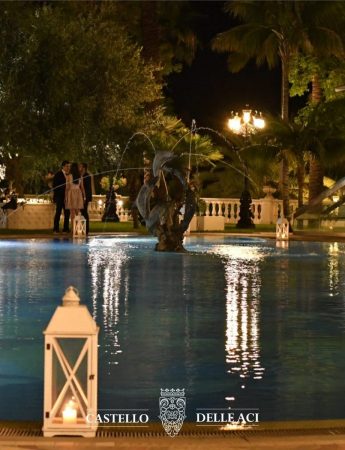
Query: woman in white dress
{"x": 75, "y": 193}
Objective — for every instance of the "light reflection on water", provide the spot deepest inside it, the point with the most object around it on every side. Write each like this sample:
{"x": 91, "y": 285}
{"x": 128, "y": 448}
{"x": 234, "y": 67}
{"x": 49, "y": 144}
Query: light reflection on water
{"x": 235, "y": 321}
{"x": 333, "y": 265}
{"x": 242, "y": 343}
{"x": 242, "y": 335}
{"x": 110, "y": 280}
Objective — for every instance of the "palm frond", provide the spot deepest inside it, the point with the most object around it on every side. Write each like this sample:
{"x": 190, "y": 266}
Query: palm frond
{"x": 322, "y": 12}
{"x": 325, "y": 42}
{"x": 237, "y": 61}
{"x": 248, "y": 41}
{"x": 246, "y": 10}
{"x": 269, "y": 52}
{"x": 235, "y": 38}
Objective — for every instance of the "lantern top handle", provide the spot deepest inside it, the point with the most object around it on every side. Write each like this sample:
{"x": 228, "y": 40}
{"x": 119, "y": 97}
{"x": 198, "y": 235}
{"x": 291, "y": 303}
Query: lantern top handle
{"x": 71, "y": 297}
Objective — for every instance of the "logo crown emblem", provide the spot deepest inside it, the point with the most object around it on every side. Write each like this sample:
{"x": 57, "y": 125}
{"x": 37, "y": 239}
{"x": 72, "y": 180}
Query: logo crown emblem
{"x": 172, "y": 392}
{"x": 172, "y": 408}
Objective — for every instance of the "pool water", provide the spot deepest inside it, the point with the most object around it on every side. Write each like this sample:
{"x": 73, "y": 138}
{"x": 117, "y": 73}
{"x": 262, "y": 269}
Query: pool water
{"x": 237, "y": 322}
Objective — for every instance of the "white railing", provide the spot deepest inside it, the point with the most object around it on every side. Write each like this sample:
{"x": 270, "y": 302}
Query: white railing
{"x": 38, "y": 213}
{"x": 266, "y": 210}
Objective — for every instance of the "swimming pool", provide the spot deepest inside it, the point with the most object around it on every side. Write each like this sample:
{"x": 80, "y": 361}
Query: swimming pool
{"x": 236, "y": 322}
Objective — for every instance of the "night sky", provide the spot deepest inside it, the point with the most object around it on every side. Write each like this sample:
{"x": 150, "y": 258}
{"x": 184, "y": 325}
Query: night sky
{"x": 207, "y": 91}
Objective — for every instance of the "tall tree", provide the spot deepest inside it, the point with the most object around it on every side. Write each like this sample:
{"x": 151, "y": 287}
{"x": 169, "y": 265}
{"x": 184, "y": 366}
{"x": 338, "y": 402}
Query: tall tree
{"x": 167, "y": 40}
{"x": 326, "y": 121}
{"x": 72, "y": 83}
{"x": 267, "y": 35}
{"x": 273, "y": 32}
{"x": 163, "y": 29}
{"x": 329, "y": 43}
{"x": 321, "y": 138}
{"x": 323, "y": 28}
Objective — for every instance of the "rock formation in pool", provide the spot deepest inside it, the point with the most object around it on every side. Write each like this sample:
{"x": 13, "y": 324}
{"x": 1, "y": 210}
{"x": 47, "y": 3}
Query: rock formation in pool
{"x": 167, "y": 201}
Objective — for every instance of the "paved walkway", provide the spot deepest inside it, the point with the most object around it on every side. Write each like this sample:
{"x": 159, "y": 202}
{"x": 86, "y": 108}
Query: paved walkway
{"x": 315, "y": 442}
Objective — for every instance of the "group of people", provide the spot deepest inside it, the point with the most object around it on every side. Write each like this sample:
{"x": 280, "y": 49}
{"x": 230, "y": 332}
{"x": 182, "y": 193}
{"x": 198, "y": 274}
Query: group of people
{"x": 72, "y": 194}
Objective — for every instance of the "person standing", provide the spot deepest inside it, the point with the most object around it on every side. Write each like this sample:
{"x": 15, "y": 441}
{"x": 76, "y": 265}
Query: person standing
{"x": 75, "y": 194}
{"x": 88, "y": 193}
{"x": 59, "y": 186}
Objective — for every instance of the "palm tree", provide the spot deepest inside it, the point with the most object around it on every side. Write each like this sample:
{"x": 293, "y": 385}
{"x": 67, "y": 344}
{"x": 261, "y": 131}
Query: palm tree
{"x": 288, "y": 140}
{"x": 317, "y": 137}
{"x": 329, "y": 73}
{"x": 267, "y": 35}
{"x": 326, "y": 123}
{"x": 273, "y": 32}
{"x": 321, "y": 41}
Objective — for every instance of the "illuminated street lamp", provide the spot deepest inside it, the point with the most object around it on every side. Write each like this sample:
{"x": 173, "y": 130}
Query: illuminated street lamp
{"x": 246, "y": 124}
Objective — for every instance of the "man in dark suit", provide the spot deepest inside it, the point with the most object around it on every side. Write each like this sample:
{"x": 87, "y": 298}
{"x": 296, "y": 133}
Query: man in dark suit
{"x": 88, "y": 192}
{"x": 59, "y": 185}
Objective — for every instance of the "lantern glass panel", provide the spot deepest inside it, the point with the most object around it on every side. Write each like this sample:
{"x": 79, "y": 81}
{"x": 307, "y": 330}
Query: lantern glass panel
{"x": 64, "y": 403}
{"x": 81, "y": 374}
{"x": 69, "y": 376}
{"x": 58, "y": 378}
{"x": 71, "y": 348}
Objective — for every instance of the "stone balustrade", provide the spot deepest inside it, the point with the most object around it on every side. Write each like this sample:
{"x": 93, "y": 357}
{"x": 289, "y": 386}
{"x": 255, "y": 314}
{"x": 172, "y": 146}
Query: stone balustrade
{"x": 38, "y": 213}
{"x": 265, "y": 210}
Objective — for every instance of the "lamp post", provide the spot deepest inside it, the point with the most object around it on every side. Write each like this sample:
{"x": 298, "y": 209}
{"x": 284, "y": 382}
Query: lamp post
{"x": 246, "y": 124}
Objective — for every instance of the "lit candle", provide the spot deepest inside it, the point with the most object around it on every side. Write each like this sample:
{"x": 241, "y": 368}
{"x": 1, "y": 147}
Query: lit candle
{"x": 69, "y": 414}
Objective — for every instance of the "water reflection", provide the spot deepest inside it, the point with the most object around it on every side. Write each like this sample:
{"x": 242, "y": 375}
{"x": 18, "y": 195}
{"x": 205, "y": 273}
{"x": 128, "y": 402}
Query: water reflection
{"x": 187, "y": 294}
{"x": 110, "y": 279}
{"x": 26, "y": 263}
{"x": 242, "y": 336}
{"x": 282, "y": 244}
{"x": 9, "y": 294}
{"x": 207, "y": 321}
{"x": 333, "y": 266}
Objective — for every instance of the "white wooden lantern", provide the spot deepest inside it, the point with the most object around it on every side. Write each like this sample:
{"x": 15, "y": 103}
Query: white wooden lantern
{"x": 282, "y": 230}
{"x": 70, "y": 370}
{"x": 79, "y": 226}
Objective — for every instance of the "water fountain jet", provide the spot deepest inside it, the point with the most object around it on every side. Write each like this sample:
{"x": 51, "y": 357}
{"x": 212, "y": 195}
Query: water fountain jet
{"x": 163, "y": 197}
